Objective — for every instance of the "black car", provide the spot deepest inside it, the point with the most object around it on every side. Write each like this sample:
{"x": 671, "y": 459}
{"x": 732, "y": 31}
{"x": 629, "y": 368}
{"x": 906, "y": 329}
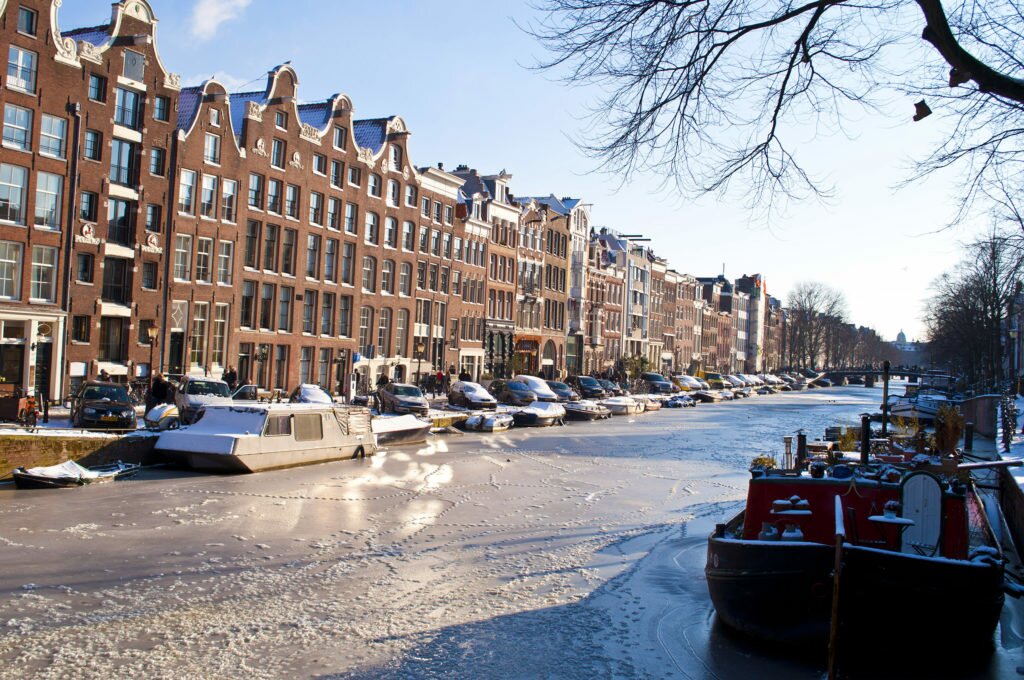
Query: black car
{"x": 512, "y": 392}
{"x": 611, "y": 388}
{"x": 655, "y": 383}
{"x": 102, "y": 405}
{"x": 563, "y": 391}
{"x": 587, "y": 387}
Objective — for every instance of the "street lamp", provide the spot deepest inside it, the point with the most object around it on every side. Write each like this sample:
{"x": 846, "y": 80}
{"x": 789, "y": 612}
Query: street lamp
{"x": 151, "y": 333}
{"x": 420, "y": 348}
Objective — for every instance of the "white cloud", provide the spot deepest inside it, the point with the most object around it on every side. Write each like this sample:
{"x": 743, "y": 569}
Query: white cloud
{"x": 208, "y": 15}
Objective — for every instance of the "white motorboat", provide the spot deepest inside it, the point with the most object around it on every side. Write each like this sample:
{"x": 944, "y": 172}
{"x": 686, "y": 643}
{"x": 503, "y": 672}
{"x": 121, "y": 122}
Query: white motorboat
{"x": 255, "y": 437}
{"x": 922, "y": 406}
{"x": 585, "y": 409}
{"x": 539, "y": 414}
{"x": 622, "y": 406}
{"x": 486, "y": 422}
{"x": 398, "y": 430}
{"x": 649, "y": 403}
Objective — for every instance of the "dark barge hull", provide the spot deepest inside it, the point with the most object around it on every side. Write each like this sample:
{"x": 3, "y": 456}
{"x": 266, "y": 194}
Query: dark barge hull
{"x": 781, "y": 592}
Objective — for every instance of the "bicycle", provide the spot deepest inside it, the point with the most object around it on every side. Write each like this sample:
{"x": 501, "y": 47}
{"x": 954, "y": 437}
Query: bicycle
{"x": 137, "y": 391}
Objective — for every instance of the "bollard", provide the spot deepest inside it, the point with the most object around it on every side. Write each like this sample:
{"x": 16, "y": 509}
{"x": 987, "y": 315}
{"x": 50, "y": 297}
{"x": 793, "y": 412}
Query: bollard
{"x": 801, "y": 448}
{"x": 865, "y": 438}
{"x": 885, "y": 399}
{"x": 968, "y": 436}
{"x": 788, "y": 460}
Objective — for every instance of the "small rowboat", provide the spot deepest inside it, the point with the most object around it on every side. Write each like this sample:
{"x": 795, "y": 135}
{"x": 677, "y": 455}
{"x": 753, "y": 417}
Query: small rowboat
{"x": 70, "y": 473}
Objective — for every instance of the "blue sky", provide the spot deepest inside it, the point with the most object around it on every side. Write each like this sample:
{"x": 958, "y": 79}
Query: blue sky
{"x": 456, "y": 72}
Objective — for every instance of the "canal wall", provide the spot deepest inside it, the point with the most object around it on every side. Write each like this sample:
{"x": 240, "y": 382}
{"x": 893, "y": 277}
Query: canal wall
{"x": 31, "y": 449}
{"x": 983, "y": 411}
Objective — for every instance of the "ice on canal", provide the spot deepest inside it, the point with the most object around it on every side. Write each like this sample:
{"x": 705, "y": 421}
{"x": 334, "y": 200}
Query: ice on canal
{"x": 572, "y": 552}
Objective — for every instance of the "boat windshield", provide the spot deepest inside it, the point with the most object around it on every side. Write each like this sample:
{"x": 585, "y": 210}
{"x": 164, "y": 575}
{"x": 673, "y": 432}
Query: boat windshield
{"x": 207, "y": 388}
{"x": 106, "y": 393}
{"x": 407, "y": 391}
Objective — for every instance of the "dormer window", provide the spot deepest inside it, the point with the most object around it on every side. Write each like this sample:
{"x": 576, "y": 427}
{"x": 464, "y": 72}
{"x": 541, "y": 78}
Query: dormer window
{"x": 215, "y": 117}
{"x": 134, "y": 66}
{"x": 339, "y": 138}
{"x": 396, "y": 158}
{"x": 281, "y": 120}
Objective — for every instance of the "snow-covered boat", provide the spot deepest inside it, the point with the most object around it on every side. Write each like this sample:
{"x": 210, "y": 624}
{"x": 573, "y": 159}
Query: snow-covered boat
{"x": 709, "y": 396}
{"x": 921, "y": 406}
{"x": 649, "y": 403}
{"x": 398, "y": 430}
{"x": 70, "y": 473}
{"x": 539, "y": 414}
{"x": 680, "y": 401}
{"x": 622, "y": 406}
{"x": 486, "y": 422}
{"x": 584, "y": 409}
{"x": 255, "y": 437}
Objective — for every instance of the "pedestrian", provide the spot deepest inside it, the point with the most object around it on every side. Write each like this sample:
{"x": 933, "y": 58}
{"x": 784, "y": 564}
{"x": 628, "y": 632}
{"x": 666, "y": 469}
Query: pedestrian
{"x": 465, "y": 376}
{"x": 104, "y": 376}
{"x": 158, "y": 392}
{"x": 231, "y": 378}
{"x": 439, "y": 382}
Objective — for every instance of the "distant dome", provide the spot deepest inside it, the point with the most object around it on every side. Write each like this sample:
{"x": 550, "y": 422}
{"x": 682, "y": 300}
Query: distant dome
{"x": 901, "y": 337}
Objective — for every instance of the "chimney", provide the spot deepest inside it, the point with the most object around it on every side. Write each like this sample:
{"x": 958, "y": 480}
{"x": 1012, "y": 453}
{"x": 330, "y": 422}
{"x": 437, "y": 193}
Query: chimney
{"x": 440, "y": 166}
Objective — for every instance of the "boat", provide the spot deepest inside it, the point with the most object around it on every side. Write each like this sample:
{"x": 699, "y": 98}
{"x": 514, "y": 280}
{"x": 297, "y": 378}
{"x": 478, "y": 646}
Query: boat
{"x": 539, "y": 414}
{"x": 622, "y": 406}
{"x": 70, "y": 473}
{"x": 919, "y": 405}
{"x": 584, "y": 409}
{"x": 399, "y": 430}
{"x": 709, "y": 396}
{"x": 649, "y": 403}
{"x": 916, "y": 553}
{"x": 486, "y": 422}
{"x": 257, "y": 437}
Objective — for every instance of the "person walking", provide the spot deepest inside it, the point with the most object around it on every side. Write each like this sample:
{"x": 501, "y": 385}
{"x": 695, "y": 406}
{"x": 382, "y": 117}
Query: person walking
{"x": 439, "y": 382}
{"x": 158, "y": 392}
{"x": 231, "y": 378}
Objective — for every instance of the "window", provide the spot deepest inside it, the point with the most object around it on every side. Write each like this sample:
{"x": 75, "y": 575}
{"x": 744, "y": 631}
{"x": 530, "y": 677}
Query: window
{"x": 351, "y": 217}
{"x": 228, "y": 200}
{"x": 153, "y": 221}
{"x": 387, "y": 277}
{"x": 410, "y": 195}
{"x": 449, "y": 214}
{"x": 27, "y": 20}
{"x": 305, "y": 370}
{"x": 17, "y": 127}
{"x": 391, "y": 232}
{"x": 345, "y": 316}
{"x": 433, "y": 277}
{"x": 187, "y": 192}
{"x": 373, "y": 185}
{"x": 277, "y": 151}
{"x": 421, "y": 275}
{"x": 49, "y": 189}
{"x": 80, "y": 327}
{"x": 278, "y": 426}
{"x": 340, "y": 138}
{"x": 316, "y": 208}
{"x": 270, "y": 247}
{"x": 284, "y": 308}
{"x": 211, "y": 148}
{"x": 248, "y": 304}
{"x": 97, "y": 88}
{"x": 157, "y": 161}
{"x": 127, "y": 104}
{"x": 426, "y": 207}
{"x": 225, "y": 262}
{"x": 274, "y": 196}
{"x": 134, "y": 67}
{"x": 120, "y": 222}
{"x": 21, "y": 70}
{"x": 221, "y": 314}
{"x": 437, "y": 211}
{"x": 369, "y": 274}
{"x": 114, "y": 335}
{"x": 288, "y": 240}
{"x": 10, "y": 270}
{"x": 267, "y": 306}
{"x": 372, "y": 228}
{"x": 405, "y": 279}
{"x": 85, "y": 265}
{"x": 281, "y": 119}
{"x": 291, "y": 201}
{"x": 320, "y": 164}
{"x": 215, "y": 117}
{"x": 252, "y": 244}
{"x": 401, "y": 331}
{"x": 324, "y": 368}
{"x": 182, "y": 257}
{"x": 309, "y": 427}
{"x": 44, "y": 273}
{"x": 333, "y": 214}
{"x": 396, "y": 158}
{"x": 365, "y": 326}
{"x": 197, "y": 338}
{"x": 331, "y": 260}
{"x": 162, "y": 108}
{"x": 149, "y": 275}
{"x": 408, "y": 236}
{"x": 204, "y": 260}
{"x": 313, "y": 256}
{"x": 93, "y": 147}
{"x": 337, "y": 174}
{"x": 424, "y": 240}
{"x": 394, "y": 193}
{"x": 309, "y": 312}
{"x": 348, "y": 262}
{"x": 327, "y": 314}
{"x": 384, "y": 332}
{"x": 444, "y": 280}
{"x": 447, "y": 246}
{"x": 355, "y": 176}
{"x": 116, "y": 281}
{"x": 208, "y": 197}
{"x": 256, "y": 183}
{"x": 122, "y": 162}
{"x": 435, "y": 242}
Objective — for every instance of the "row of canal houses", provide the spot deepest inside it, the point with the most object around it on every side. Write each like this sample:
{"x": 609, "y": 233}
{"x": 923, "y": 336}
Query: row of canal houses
{"x": 149, "y": 226}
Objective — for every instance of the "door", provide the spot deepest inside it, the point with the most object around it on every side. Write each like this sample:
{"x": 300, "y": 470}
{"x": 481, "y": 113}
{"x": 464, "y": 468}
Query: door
{"x": 921, "y": 496}
{"x": 176, "y": 353}
{"x": 44, "y": 357}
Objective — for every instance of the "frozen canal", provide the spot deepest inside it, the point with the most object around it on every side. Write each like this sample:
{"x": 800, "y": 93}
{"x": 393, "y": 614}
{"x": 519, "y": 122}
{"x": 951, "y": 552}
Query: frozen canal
{"x": 573, "y": 552}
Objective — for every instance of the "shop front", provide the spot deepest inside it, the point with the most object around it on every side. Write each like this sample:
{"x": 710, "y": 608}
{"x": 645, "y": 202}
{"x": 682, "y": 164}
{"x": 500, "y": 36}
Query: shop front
{"x": 31, "y": 355}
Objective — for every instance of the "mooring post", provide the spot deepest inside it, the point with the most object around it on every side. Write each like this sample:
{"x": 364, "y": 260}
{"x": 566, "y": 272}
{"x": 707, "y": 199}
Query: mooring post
{"x": 788, "y": 459}
{"x": 865, "y": 438}
{"x": 801, "y": 448}
{"x": 968, "y": 436}
{"x": 885, "y": 399}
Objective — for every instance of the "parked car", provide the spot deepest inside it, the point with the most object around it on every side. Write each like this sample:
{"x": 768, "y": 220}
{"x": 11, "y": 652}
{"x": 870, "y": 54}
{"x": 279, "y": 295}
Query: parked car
{"x": 686, "y": 383}
{"x": 613, "y": 389}
{"x": 195, "y": 393}
{"x": 471, "y": 395}
{"x": 563, "y": 391}
{"x": 717, "y": 381}
{"x": 513, "y": 392}
{"x": 655, "y": 383}
{"x": 402, "y": 398}
{"x": 102, "y": 405}
{"x": 310, "y": 394}
{"x": 246, "y": 393}
{"x": 539, "y": 387}
{"x": 587, "y": 387}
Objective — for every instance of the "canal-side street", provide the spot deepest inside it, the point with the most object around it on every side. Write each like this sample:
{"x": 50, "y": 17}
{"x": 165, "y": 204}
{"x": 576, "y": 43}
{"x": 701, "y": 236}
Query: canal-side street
{"x": 572, "y": 552}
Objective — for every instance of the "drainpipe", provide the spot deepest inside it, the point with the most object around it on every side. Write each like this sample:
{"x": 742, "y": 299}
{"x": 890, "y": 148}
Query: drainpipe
{"x": 75, "y": 110}
{"x": 172, "y": 206}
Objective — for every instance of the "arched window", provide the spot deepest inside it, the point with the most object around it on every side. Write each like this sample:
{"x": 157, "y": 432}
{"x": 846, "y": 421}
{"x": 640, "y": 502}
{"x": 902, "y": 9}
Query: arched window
{"x": 401, "y": 332}
{"x": 369, "y": 274}
{"x": 405, "y": 279}
{"x": 384, "y": 332}
{"x": 366, "y": 330}
{"x": 387, "y": 277}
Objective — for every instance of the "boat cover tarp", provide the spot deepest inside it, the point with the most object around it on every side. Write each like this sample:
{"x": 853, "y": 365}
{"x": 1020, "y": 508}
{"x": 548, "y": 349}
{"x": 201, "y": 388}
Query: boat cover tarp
{"x": 397, "y": 423}
{"x": 66, "y": 470}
